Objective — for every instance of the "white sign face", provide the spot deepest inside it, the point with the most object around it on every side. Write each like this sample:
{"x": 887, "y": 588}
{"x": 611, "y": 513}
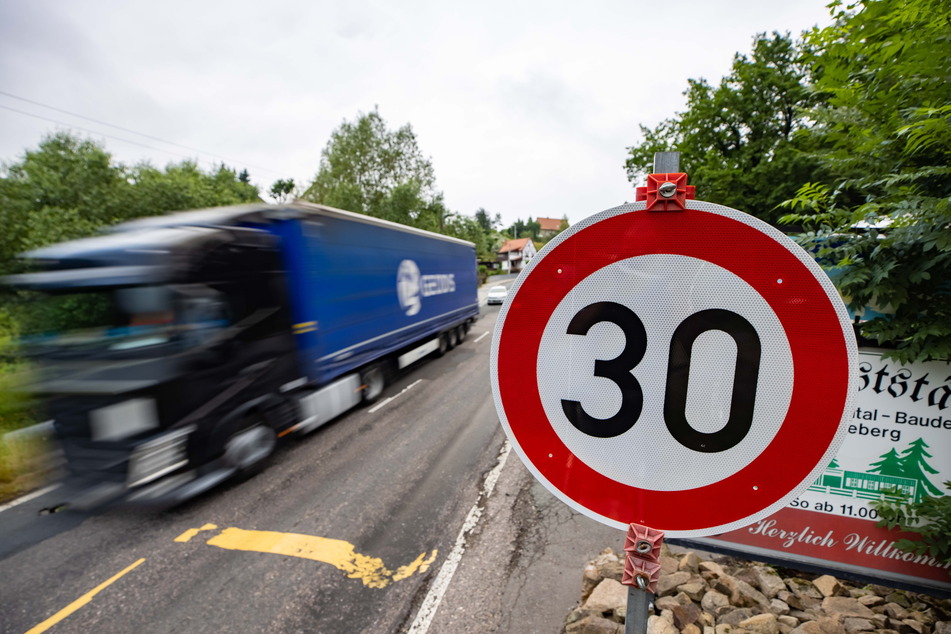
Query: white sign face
{"x": 688, "y": 286}
{"x": 689, "y": 371}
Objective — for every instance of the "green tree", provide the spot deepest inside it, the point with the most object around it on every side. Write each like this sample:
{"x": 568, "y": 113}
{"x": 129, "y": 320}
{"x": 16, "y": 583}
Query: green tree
{"x": 227, "y": 188}
{"x": 517, "y": 228}
{"x": 370, "y": 169}
{"x": 534, "y": 228}
{"x": 525, "y": 229}
{"x": 880, "y": 211}
{"x": 183, "y": 186}
{"x": 67, "y": 172}
{"x": 70, "y": 187}
{"x": 282, "y": 189}
{"x": 487, "y": 222}
{"x": 738, "y": 140}
{"x": 466, "y": 228}
{"x": 494, "y": 242}
{"x": 64, "y": 189}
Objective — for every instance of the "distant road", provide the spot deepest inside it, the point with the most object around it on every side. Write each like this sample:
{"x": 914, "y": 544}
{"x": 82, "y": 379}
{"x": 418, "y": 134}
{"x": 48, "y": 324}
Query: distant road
{"x": 496, "y": 280}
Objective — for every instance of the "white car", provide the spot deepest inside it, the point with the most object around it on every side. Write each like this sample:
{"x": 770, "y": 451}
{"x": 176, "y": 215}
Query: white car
{"x": 497, "y": 295}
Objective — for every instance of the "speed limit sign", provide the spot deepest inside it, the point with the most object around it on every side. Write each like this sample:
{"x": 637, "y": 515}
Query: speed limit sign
{"x": 691, "y": 371}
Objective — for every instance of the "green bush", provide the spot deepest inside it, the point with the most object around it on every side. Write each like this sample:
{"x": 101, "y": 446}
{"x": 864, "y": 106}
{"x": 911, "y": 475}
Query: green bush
{"x": 483, "y": 273}
{"x": 930, "y": 518}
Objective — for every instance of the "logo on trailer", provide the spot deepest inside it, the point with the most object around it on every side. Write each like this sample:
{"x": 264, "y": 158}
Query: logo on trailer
{"x": 411, "y": 287}
{"x": 407, "y": 287}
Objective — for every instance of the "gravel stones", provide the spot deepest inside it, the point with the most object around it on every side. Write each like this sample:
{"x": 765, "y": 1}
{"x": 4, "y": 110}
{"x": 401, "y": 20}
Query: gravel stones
{"x": 727, "y": 596}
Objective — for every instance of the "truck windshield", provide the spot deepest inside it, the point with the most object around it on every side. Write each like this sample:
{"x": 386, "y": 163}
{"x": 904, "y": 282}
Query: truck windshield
{"x": 112, "y": 318}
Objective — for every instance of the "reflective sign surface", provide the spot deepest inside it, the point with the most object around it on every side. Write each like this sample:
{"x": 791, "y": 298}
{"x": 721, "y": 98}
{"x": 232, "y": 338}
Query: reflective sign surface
{"x": 684, "y": 370}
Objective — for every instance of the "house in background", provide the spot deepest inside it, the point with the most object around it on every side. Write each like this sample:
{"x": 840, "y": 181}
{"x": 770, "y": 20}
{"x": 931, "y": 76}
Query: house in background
{"x": 516, "y": 254}
{"x": 549, "y": 227}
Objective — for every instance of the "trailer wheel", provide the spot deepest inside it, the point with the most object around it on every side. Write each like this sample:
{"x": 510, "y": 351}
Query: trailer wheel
{"x": 247, "y": 450}
{"x": 443, "y": 345}
{"x": 373, "y": 380}
{"x": 460, "y": 333}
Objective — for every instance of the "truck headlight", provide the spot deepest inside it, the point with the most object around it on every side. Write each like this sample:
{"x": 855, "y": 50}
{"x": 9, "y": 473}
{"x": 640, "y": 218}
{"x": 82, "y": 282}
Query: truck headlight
{"x": 155, "y": 458}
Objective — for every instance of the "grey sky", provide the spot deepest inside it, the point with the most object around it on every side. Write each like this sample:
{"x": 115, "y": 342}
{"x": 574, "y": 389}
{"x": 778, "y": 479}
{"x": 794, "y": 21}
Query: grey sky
{"x": 525, "y": 108}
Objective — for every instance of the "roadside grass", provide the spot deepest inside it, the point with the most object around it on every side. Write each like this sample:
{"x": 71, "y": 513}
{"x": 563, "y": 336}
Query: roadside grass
{"x": 24, "y": 467}
{"x": 25, "y": 462}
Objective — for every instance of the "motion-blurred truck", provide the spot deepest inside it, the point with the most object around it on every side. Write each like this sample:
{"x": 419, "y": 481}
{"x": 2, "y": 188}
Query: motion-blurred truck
{"x": 186, "y": 345}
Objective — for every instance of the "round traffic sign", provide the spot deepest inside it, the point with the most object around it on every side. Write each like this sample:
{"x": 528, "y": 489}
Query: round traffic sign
{"x": 690, "y": 371}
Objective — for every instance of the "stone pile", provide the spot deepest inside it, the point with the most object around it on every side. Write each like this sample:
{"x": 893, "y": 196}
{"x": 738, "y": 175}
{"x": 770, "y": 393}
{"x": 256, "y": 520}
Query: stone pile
{"x": 728, "y": 596}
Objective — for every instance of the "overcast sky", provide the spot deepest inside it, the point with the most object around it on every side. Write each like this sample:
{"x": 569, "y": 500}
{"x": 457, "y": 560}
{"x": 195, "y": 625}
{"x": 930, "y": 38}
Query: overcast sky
{"x": 525, "y": 108}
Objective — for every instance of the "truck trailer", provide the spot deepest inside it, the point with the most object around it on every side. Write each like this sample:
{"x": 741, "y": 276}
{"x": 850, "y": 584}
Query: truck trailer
{"x": 185, "y": 345}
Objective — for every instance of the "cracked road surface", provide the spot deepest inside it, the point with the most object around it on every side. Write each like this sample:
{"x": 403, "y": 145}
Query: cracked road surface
{"x": 522, "y": 568}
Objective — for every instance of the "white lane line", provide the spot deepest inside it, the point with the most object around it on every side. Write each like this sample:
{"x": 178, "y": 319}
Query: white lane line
{"x": 28, "y": 497}
{"x": 481, "y": 337}
{"x": 382, "y": 403}
{"x": 427, "y": 611}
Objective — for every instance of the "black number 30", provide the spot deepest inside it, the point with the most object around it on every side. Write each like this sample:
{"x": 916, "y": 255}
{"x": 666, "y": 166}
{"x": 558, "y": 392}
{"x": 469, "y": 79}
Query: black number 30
{"x": 618, "y": 370}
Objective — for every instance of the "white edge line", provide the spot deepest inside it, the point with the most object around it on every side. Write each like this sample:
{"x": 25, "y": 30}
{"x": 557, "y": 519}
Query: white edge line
{"x": 28, "y": 497}
{"x": 379, "y": 405}
{"x": 481, "y": 337}
{"x": 427, "y": 610}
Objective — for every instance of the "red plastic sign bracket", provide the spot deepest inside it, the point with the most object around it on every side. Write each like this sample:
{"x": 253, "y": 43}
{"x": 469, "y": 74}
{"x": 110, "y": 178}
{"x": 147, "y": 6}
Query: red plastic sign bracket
{"x": 666, "y": 192}
{"x": 642, "y": 564}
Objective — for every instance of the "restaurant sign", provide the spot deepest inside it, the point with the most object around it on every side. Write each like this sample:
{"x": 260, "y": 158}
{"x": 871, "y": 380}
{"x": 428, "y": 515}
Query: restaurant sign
{"x": 898, "y": 441}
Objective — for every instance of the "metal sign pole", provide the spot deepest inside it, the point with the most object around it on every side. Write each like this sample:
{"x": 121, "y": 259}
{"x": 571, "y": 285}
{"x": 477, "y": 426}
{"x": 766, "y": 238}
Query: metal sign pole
{"x": 642, "y": 564}
{"x": 666, "y": 162}
{"x": 638, "y": 610}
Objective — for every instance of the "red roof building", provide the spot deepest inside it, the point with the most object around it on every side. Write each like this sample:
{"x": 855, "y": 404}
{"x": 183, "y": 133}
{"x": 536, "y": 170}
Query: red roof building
{"x": 549, "y": 226}
{"x": 514, "y": 255}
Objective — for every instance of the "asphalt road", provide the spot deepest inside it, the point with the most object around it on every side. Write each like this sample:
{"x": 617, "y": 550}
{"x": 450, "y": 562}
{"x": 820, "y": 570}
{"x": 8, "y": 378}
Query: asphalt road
{"x": 410, "y": 515}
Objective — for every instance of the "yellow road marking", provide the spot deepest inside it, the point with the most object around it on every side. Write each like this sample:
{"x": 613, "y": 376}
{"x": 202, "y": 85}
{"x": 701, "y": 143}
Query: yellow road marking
{"x": 191, "y": 532}
{"x": 420, "y": 564}
{"x": 80, "y": 602}
{"x": 336, "y": 552}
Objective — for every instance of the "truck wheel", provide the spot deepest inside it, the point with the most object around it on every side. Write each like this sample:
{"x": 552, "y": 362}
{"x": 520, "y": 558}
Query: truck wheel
{"x": 247, "y": 449}
{"x": 373, "y": 381}
{"x": 460, "y": 333}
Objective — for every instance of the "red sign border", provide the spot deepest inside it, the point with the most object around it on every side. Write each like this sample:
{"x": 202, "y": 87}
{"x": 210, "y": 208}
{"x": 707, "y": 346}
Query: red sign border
{"x": 813, "y": 325}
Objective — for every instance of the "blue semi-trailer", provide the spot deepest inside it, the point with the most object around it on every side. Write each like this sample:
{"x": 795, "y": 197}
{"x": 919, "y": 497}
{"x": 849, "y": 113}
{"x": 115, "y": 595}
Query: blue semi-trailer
{"x": 180, "y": 348}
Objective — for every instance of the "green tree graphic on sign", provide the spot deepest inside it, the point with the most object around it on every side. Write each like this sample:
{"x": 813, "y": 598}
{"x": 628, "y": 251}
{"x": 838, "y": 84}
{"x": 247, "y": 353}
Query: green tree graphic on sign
{"x": 914, "y": 466}
{"x": 889, "y": 464}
